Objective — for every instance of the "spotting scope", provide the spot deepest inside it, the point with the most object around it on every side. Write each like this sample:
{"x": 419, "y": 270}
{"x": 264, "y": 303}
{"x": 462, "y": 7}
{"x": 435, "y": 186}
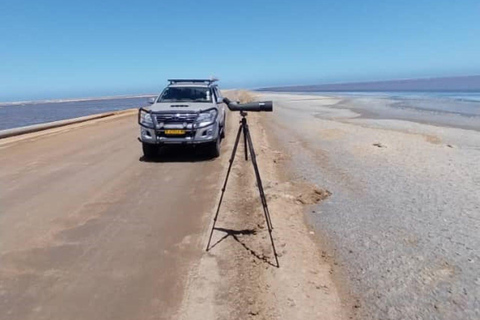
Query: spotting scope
{"x": 261, "y": 106}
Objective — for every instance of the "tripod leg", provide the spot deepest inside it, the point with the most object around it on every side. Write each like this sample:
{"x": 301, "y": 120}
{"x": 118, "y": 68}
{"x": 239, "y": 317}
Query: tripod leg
{"x": 232, "y": 157}
{"x": 245, "y": 141}
{"x": 257, "y": 176}
{"x": 260, "y": 190}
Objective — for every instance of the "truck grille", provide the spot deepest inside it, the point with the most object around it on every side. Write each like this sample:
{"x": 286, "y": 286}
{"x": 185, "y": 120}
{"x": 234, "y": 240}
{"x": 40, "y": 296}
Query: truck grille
{"x": 176, "y": 117}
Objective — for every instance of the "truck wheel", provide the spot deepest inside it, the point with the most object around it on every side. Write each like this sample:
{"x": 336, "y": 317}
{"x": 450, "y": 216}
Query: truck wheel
{"x": 149, "y": 150}
{"x": 223, "y": 127}
{"x": 222, "y": 133}
{"x": 214, "y": 148}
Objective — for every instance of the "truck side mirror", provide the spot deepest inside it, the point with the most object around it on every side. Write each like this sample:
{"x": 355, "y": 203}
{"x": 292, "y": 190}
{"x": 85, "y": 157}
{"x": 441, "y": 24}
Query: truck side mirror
{"x": 151, "y": 100}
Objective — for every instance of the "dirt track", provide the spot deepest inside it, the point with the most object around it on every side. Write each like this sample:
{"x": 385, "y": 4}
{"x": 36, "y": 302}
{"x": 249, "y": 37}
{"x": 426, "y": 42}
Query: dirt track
{"x": 90, "y": 231}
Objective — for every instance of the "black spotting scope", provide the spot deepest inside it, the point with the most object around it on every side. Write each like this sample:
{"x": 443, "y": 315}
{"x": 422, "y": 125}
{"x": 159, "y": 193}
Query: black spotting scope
{"x": 261, "y": 106}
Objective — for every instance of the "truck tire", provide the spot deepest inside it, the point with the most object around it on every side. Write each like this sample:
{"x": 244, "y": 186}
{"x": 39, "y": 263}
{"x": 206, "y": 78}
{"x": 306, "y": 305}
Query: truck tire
{"x": 149, "y": 150}
{"x": 222, "y": 132}
{"x": 223, "y": 127}
{"x": 214, "y": 148}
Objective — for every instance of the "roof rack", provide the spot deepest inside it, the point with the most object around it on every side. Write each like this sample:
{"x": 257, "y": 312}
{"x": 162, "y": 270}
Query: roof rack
{"x": 207, "y": 81}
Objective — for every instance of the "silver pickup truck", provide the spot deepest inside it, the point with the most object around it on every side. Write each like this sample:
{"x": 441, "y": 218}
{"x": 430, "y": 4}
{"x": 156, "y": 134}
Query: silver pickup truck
{"x": 188, "y": 111}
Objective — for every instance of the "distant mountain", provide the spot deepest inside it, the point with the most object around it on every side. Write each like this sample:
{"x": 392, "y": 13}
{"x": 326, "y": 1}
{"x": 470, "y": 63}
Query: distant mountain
{"x": 465, "y": 83}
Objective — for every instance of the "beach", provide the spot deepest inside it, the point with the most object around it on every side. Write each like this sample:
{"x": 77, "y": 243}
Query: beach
{"x": 401, "y": 224}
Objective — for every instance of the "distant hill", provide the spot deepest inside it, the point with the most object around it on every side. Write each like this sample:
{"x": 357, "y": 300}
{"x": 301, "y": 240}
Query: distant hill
{"x": 465, "y": 83}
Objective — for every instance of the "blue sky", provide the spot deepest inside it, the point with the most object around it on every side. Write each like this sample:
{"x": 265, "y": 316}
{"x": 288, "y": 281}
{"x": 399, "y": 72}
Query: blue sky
{"x": 57, "y": 49}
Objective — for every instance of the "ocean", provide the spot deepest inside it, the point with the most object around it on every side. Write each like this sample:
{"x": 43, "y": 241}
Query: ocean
{"x": 19, "y": 114}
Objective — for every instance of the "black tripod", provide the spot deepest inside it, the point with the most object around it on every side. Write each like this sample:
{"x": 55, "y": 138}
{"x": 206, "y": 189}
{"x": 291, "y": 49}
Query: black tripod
{"x": 248, "y": 147}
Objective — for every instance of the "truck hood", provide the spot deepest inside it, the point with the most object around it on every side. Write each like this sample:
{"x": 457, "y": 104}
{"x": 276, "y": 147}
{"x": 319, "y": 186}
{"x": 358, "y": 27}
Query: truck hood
{"x": 180, "y": 106}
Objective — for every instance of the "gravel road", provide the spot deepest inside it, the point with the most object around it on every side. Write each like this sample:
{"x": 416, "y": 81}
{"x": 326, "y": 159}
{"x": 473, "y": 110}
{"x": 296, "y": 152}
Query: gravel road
{"x": 403, "y": 220}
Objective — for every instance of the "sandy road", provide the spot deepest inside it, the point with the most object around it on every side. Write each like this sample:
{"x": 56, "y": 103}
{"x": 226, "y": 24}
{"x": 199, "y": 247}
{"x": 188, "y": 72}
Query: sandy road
{"x": 90, "y": 231}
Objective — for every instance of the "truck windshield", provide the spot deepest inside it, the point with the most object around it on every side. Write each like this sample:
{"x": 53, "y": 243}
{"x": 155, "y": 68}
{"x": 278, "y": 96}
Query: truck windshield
{"x": 186, "y": 94}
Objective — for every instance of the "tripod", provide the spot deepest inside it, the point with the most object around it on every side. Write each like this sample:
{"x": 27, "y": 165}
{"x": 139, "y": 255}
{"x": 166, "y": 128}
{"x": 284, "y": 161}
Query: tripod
{"x": 248, "y": 148}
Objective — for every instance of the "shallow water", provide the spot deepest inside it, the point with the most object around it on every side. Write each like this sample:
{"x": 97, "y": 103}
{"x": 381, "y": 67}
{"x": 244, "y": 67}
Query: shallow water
{"x": 23, "y": 114}
{"x": 453, "y": 109}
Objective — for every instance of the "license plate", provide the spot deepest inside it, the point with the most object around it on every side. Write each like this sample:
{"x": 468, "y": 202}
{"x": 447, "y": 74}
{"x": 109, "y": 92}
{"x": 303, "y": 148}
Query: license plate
{"x": 175, "y": 132}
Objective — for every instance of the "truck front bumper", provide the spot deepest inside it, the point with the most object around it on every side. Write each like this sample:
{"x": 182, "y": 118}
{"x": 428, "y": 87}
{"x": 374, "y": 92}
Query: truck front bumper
{"x": 195, "y": 136}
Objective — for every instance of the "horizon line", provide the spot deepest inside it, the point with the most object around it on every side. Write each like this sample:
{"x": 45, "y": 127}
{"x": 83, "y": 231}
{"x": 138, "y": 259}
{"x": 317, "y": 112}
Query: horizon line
{"x": 141, "y": 95}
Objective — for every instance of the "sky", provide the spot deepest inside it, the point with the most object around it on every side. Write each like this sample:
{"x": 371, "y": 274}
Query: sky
{"x": 59, "y": 49}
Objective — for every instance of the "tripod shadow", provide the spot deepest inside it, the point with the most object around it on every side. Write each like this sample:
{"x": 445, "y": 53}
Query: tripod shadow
{"x": 234, "y": 234}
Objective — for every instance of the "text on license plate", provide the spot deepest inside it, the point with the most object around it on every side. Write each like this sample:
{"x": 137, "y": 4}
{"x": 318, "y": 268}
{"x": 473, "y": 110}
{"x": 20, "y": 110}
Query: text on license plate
{"x": 175, "y": 132}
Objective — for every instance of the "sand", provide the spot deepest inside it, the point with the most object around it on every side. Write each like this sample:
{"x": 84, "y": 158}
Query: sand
{"x": 238, "y": 278}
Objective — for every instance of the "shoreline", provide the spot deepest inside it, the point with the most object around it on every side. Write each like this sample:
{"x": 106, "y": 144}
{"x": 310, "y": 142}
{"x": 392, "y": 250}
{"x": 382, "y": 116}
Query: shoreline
{"x": 327, "y": 249}
{"x": 86, "y": 99}
{"x": 33, "y": 102}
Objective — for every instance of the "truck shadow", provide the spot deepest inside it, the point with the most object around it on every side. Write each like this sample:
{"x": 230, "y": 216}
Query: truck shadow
{"x": 179, "y": 154}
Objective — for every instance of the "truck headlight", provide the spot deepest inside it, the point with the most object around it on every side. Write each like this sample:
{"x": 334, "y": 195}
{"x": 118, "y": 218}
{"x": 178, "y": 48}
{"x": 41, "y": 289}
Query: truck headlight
{"x": 206, "y": 118}
{"x": 146, "y": 119}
